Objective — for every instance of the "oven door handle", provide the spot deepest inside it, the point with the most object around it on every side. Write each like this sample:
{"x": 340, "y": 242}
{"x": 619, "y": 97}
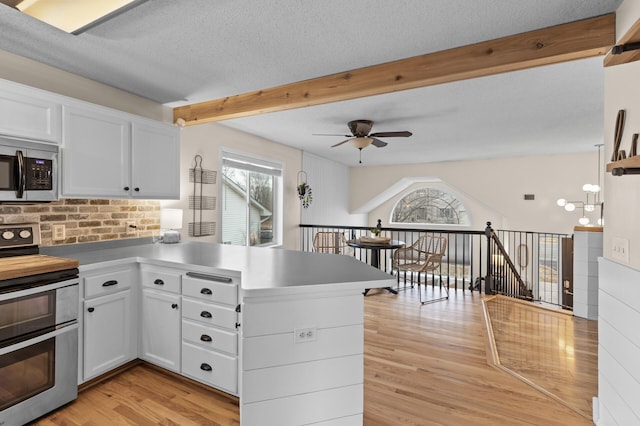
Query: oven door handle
{"x": 21, "y": 175}
{"x": 41, "y": 338}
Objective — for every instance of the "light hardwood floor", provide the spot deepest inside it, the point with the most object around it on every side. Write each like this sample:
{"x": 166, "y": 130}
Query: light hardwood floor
{"x": 424, "y": 365}
{"x": 550, "y": 349}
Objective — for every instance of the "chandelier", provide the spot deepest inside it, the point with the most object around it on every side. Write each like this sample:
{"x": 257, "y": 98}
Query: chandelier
{"x": 592, "y": 202}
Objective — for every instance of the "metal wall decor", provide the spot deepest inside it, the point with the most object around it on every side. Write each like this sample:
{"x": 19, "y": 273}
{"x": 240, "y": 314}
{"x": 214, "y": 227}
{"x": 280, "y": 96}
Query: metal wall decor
{"x": 200, "y": 203}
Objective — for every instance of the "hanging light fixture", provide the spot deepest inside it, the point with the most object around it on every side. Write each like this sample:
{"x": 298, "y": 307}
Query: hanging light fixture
{"x": 592, "y": 192}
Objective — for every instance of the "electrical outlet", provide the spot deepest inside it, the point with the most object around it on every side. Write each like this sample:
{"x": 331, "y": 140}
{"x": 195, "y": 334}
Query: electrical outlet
{"x": 131, "y": 227}
{"x": 304, "y": 335}
{"x": 620, "y": 249}
{"x": 58, "y": 232}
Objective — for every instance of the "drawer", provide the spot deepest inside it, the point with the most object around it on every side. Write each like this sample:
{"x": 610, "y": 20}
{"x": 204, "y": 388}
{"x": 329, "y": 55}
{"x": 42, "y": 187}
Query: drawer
{"x": 211, "y": 287}
{"x": 109, "y": 282}
{"x": 212, "y": 368}
{"x": 161, "y": 279}
{"x": 209, "y": 314}
{"x": 209, "y": 337}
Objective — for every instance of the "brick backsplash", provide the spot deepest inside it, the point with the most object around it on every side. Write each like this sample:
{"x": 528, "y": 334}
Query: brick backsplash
{"x": 87, "y": 220}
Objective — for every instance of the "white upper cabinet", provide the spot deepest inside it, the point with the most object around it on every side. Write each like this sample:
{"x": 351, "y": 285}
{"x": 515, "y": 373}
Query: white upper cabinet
{"x": 155, "y": 155}
{"x": 29, "y": 113}
{"x": 110, "y": 154}
{"x": 95, "y": 156}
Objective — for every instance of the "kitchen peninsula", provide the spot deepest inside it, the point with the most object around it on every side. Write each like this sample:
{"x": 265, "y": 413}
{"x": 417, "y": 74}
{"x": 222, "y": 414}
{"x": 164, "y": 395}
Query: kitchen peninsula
{"x": 282, "y": 330}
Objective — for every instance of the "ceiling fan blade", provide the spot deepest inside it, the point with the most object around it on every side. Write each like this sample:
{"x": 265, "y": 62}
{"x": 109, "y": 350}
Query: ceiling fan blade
{"x": 378, "y": 143}
{"x": 340, "y": 143}
{"x": 404, "y": 134}
{"x": 330, "y": 134}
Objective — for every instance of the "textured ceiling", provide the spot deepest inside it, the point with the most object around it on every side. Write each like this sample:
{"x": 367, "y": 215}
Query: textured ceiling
{"x": 179, "y": 52}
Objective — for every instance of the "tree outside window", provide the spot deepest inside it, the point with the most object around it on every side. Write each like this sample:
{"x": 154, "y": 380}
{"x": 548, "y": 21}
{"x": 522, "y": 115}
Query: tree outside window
{"x": 430, "y": 206}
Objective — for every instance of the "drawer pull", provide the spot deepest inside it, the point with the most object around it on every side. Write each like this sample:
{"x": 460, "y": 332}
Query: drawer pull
{"x": 205, "y": 367}
{"x": 109, "y": 283}
{"x": 158, "y": 282}
{"x": 206, "y": 314}
{"x": 206, "y": 338}
{"x": 91, "y": 309}
{"x": 209, "y": 277}
{"x": 206, "y": 291}
{"x": 174, "y": 306}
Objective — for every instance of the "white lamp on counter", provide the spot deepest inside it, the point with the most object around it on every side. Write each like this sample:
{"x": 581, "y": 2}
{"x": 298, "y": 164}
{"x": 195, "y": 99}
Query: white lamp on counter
{"x": 170, "y": 222}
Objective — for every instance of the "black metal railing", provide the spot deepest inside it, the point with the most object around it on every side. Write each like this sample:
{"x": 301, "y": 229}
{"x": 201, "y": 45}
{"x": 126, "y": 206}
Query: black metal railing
{"x": 518, "y": 264}
{"x": 461, "y": 266}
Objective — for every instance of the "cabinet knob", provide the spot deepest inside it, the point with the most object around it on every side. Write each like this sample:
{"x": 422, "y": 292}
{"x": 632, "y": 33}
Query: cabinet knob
{"x": 206, "y": 314}
{"x": 205, "y": 367}
{"x": 158, "y": 282}
{"x": 136, "y": 189}
{"x": 126, "y": 188}
{"x": 174, "y": 306}
{"x": 91, "y": 309}
{"x": 206, "y": 291}
{"x": 206, "y": 338}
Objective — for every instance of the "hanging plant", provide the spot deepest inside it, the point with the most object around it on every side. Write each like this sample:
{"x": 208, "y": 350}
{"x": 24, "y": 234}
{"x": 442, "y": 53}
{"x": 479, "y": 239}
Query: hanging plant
{"x": 304, "y": 190}
{"x": 304, "y": 193}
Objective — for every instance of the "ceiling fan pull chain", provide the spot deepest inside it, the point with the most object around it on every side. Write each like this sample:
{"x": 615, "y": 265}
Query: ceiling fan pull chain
{"x": 360, "y": 149}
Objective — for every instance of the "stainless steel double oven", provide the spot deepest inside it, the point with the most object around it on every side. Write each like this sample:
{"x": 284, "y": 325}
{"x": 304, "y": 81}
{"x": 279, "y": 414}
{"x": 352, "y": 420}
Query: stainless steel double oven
{"x": 38, "y": 329}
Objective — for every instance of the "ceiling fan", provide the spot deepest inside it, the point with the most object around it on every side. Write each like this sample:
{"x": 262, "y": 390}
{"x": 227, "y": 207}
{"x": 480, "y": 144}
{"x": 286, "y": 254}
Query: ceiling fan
{"x": 361, "y": 138}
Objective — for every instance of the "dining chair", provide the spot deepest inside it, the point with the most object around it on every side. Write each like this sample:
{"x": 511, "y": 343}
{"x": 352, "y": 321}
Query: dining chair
{"x": 329, "y": 242}
{"x": 423, "y": 256}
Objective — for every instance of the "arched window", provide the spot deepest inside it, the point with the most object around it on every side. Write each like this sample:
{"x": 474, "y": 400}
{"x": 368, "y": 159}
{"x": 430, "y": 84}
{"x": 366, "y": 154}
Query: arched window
{"x": 430, "y": 206}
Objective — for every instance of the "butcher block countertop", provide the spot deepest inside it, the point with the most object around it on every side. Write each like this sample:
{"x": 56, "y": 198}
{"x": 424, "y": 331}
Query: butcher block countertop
{"x": 33, "y": 264}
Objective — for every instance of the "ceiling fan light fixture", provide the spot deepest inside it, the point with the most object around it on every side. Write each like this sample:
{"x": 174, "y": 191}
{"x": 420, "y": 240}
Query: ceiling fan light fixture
{"x": 361, "y": 142}
{"x": 73, "y": 16}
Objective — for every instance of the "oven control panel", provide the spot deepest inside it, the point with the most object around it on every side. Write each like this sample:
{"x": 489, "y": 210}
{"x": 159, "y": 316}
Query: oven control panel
{"x": 19, "y": 235}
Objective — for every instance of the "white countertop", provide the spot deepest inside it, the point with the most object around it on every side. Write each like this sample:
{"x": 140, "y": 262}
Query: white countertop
{"x": 276, "y": 270}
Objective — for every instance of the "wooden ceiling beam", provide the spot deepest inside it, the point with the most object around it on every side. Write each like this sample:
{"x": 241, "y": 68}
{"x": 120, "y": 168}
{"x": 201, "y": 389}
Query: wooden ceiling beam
{"x": 567, "y": 42}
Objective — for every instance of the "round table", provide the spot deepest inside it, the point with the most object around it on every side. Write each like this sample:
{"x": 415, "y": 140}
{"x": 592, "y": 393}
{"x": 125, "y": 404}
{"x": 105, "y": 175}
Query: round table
{"x": 375, "y": 248}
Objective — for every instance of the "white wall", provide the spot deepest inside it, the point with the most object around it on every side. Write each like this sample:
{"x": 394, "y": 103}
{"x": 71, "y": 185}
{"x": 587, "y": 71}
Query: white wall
{"x": 329, "y": 182}
{"x": 619, "y": 295}
{"x": 207, "y": 140}
{"x": 31, "y": 73}
{"x": 493, "y": 190}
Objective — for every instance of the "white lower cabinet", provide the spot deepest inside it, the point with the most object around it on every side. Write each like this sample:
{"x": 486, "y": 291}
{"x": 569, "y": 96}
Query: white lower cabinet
{"x": 161, "y": 329}
{"x": 210, "y": 367}
{"x": 209, "y": 330}
{"x": 108, "y": 322}
{"x": 107, "y": 333}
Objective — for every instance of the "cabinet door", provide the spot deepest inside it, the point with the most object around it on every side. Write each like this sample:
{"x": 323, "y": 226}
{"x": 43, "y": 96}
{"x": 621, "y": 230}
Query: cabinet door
{"x": 26, "y": 113}
{"x": 107, "y": 333}
{"x": 155, "y": 170}
{"x": 95, "y": 154}
{"x": 161, "y": 329}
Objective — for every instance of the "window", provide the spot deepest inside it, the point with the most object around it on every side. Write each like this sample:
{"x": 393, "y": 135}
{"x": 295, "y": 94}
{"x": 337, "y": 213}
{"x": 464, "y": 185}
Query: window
{"x": 251, "y": 200}
{"x": 430, "y": 206}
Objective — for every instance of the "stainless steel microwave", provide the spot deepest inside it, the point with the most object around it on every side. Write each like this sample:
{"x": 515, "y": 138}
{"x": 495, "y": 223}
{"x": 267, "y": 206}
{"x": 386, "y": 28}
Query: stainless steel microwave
{"x": 28, "y": 171}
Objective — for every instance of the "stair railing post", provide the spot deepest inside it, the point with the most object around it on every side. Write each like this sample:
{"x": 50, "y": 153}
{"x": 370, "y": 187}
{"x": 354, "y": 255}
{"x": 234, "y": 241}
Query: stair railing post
{"x": 488, "y": 283}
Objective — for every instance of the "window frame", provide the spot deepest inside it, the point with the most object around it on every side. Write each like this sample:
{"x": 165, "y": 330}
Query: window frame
{"x": 425, "y": 224}
{"x": 255, "y": 163}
